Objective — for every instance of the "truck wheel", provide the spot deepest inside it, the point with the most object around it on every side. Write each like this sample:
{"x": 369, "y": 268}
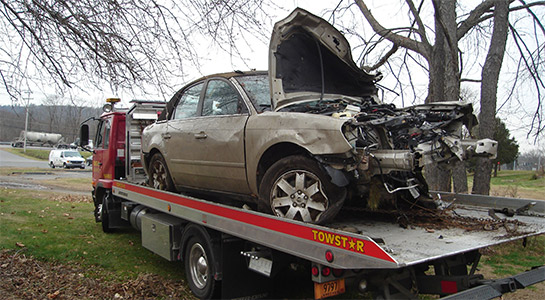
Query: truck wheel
{"x": 159, "y": 176}
{"x": 64, "y": 166}
{"x": 199, "y": 268}
{"x": 296, "y": 188}
{"x": 103, "y": 213}
{"x": 52, "y": 165}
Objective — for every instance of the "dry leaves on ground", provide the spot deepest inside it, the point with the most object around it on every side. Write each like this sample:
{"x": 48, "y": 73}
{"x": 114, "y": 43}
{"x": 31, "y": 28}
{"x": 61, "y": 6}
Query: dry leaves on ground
{"x": 27, "y": 278}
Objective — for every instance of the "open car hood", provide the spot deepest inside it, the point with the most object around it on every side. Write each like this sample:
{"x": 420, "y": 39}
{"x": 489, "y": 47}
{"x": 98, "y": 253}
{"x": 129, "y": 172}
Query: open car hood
{"x": 308, "y": 56}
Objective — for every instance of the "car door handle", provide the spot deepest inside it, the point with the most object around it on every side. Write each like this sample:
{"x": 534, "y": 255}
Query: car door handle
{"x": 166, "y": 136}
{"x": 201, "y": 135}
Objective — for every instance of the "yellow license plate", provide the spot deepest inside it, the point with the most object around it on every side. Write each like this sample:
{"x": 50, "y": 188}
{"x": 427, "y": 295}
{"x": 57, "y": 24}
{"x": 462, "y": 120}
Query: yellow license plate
{"x": 328, "y": 289}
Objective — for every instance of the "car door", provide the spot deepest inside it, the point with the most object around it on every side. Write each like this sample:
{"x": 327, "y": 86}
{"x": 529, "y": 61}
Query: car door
{"x": 219, "y": 138}
{"x": 179, "y": 150}
{"x": 206, "y": 150}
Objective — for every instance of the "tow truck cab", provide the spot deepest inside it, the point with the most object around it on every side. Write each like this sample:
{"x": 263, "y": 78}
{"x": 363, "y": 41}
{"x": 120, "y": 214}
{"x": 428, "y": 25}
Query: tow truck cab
{"x": 114, "y": 146}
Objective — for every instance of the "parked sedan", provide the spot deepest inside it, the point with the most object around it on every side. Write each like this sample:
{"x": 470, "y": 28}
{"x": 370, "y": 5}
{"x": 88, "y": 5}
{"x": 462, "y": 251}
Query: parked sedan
{"x": 298, "y": 139}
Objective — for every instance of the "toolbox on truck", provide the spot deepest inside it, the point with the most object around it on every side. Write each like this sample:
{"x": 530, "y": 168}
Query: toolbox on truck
{"x": 161, "y": 234}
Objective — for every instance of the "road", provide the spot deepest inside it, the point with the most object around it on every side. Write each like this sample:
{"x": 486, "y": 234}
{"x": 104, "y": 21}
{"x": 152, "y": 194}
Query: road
{"x": 33, "y": 180}
{"x": 8, "y": 159}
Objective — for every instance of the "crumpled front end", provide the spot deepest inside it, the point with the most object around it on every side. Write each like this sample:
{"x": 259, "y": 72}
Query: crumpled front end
{"x": 391, "y": 146}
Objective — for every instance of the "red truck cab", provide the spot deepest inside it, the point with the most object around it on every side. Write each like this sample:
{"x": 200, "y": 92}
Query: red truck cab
{"x": 109, "y": 153}
{"x": 108, "y": 160}
{"x": 117, "y": 153}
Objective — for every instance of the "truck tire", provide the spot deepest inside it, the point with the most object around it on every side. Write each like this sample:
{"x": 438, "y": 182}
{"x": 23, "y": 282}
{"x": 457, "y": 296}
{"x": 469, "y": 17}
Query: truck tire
{"x": 103, "y": 212}
{"x": 199, "y": 267}
{"x": 52, "y": 165}
{"x": 297, "y": 188}
{"x": 64, "y": 166}
{"x": 159, "y": 175}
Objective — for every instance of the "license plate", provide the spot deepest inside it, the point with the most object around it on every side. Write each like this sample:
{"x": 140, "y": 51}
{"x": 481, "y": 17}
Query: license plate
{"x": 328, "y": 289}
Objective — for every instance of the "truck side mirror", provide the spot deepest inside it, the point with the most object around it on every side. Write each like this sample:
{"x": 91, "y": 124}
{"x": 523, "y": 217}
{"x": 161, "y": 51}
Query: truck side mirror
{"x": 84, "y": 135}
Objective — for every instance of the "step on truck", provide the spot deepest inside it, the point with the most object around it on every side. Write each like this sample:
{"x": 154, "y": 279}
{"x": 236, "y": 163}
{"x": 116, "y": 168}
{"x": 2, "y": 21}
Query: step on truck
{"x": 231, "y": 251}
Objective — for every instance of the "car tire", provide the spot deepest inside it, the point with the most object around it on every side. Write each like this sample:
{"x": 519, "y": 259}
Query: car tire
{"x": 297, "y": 188}
{"x": 159, "y": 175}
{"x": 64, "y": 166}
{"x": 199, "y": 268}
{"x": 52, "y": 165}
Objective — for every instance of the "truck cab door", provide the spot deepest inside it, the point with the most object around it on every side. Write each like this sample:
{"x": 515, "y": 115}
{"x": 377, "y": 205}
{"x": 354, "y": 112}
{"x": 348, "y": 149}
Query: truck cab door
{"x": 101, "y": 166}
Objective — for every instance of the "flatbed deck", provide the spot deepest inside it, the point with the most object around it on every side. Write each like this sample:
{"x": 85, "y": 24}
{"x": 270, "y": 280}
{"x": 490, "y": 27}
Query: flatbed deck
{"x": 413, "y": 245}
{"x": 363, "y": 244}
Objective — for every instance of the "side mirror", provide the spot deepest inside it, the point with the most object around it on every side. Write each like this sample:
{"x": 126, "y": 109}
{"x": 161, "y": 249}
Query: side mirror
{"x": 84, "y": 135}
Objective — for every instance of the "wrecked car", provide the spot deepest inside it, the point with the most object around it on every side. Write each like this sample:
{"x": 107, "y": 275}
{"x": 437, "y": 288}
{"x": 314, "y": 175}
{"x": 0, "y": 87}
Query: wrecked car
{"x": 306, "y": 136}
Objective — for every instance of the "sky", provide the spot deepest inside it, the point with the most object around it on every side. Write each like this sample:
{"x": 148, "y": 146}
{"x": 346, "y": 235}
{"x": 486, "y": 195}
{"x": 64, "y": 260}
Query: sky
{"x": 389, "y": 13}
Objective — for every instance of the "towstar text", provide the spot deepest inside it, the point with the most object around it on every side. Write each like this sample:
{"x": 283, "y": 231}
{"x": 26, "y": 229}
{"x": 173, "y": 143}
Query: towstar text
{"x": 340, "y": 241}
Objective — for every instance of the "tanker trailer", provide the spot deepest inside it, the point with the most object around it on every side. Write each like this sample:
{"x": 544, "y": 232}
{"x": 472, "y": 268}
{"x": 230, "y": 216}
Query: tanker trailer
{"x": 34, "y": 138}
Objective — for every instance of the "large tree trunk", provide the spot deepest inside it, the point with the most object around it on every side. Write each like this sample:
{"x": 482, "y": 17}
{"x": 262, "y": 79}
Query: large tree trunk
{"x": 459, "y": 178}
{"x": 444, "y": 74}
{"x": 489, "y": 87}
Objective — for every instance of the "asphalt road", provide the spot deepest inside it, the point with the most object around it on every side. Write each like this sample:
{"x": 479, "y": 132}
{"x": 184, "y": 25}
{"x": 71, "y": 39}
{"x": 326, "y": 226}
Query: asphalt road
{"x": 31, "y": 180}
{"x": 8, "y": 159}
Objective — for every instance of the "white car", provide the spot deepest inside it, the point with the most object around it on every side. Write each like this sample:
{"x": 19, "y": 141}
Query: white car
{"x": 66, "y": 159}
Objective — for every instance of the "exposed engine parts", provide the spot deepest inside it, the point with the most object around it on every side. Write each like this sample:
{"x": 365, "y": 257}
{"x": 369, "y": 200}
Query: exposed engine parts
{"x": 393, "y": 145}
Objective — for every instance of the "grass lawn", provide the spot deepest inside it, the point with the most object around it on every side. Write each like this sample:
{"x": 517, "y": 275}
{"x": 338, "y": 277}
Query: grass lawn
{"x": 62, "y": 229}
{"x": 513, "y": 257}
{"x": 517, "y": 184}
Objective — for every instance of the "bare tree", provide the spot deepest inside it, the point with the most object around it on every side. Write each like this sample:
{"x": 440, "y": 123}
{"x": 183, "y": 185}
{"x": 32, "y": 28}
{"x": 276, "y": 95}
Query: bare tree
{"x": 489, "y": 88}
{"x": 444, "y": 61}
{"x": 127, "y": 44}
{"x": 53, "y": 105}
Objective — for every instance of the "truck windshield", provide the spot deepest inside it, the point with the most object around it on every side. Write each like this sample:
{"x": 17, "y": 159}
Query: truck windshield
{"x": 257, "y": 89}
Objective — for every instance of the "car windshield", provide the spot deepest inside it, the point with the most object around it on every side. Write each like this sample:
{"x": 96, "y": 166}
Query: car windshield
{"x": 72, "y": 154}
{"x": 257, "y": 89}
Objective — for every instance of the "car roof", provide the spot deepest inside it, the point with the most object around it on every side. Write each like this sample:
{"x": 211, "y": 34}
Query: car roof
{"x": 228, "y": 75}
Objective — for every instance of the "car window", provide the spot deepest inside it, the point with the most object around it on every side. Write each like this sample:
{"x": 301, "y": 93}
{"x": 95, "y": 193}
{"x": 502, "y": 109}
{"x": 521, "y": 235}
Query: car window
{"x": 187, "y": 106}
{"x": 257, "y": 89}
{"x": 221, "y": 99}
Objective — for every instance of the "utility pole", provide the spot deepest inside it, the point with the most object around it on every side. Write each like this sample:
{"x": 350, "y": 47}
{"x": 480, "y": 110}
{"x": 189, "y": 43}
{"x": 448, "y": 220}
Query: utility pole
{"x": 26, "y": 118}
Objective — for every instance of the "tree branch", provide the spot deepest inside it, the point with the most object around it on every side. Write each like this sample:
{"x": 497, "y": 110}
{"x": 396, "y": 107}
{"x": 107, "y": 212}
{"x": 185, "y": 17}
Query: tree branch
{"x": 532, "y": 68}
{"x": 421, "y": 28}
{"x": 397, "y": 39}
{"x": 470, "y": 80}
{"x": 473, "y": 18}
{"x": 521, "y": 7}
{"x": 382, "y": 61}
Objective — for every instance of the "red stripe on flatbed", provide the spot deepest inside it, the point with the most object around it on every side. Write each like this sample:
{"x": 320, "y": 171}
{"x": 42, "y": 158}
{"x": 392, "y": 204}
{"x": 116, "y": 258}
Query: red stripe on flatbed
{"x": 340, "y": 241}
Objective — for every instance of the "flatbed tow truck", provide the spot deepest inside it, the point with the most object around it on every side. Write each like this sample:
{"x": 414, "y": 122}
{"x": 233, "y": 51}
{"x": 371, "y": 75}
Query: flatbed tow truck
{"x": 233, "y": 252}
